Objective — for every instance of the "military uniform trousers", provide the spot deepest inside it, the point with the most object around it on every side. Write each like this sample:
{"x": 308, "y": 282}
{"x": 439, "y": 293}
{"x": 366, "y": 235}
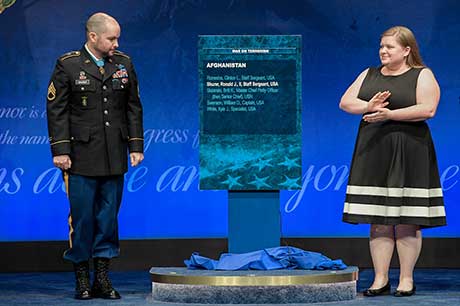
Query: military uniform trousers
{"x": 94, "y": 205}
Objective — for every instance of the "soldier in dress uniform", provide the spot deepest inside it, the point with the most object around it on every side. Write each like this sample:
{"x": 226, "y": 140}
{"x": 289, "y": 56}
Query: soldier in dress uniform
{"x": 94, "y": 118}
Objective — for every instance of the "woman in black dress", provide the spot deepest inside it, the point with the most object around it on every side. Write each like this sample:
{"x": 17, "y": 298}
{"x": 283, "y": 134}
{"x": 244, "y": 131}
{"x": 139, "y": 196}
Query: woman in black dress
{"x": 394, "y": 180}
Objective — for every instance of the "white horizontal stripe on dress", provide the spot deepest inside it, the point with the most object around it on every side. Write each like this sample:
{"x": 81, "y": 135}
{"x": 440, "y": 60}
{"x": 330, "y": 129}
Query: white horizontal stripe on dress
{"x": 394, "y": 211}
{"x": 395, "y": 192}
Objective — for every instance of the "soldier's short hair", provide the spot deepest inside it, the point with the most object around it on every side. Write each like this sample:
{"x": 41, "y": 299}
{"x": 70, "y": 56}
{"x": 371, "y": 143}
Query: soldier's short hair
{"x": 98, "y": 23}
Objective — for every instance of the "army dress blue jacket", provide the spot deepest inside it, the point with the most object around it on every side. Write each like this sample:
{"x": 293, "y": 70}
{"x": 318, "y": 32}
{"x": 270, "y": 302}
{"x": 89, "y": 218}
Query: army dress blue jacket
{"x": 95, "y": 116}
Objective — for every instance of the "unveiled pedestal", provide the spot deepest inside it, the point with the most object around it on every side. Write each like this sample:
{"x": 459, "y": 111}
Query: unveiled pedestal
{"x": 179, "y": 285}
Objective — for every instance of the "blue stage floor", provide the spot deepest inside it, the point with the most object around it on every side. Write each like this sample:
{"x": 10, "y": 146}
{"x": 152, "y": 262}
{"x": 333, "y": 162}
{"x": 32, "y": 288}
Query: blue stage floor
{"x": 439, "y": 287}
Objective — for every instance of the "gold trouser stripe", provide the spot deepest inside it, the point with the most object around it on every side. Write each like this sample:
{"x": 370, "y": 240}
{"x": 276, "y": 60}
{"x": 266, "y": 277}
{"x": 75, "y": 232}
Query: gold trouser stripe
{"x": 66, "y": 183}
{"x": 70, "y": 230}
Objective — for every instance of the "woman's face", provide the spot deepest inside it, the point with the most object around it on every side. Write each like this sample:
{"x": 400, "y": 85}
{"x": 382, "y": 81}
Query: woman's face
{"x": 391, "y": 52}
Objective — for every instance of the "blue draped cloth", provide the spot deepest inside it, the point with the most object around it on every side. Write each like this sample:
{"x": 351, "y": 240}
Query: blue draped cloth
{"x": 267, "y": 259}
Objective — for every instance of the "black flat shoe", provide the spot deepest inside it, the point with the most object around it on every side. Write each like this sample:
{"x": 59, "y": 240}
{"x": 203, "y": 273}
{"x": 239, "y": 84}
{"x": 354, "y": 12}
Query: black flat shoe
{"x": 385, "y": 290}
{"x": 400, "y": 293}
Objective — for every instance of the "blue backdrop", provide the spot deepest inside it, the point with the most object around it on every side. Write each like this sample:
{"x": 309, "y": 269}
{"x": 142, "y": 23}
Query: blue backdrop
{"x": 162, "y": 200}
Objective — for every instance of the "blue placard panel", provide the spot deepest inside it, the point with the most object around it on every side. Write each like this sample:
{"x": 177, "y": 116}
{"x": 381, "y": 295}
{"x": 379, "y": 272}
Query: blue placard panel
{"x": 250, "y": 108}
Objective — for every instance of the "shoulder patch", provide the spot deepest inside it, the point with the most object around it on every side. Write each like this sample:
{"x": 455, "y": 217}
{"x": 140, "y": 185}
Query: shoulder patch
{"x": 119, "y": 53}
{"x": 69, "y": 55}
{"x": 51, "y": 92}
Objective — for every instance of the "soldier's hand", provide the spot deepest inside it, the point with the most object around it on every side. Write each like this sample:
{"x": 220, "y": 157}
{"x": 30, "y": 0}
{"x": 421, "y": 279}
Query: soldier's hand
{"x": 136, "y": 158}
{"x": 62, "y": 161}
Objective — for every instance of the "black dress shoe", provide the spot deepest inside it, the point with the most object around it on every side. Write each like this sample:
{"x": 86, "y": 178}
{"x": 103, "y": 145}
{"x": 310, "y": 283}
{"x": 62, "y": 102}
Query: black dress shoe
{"x": 400, "y": 293}
{"x": 385, "y": 290}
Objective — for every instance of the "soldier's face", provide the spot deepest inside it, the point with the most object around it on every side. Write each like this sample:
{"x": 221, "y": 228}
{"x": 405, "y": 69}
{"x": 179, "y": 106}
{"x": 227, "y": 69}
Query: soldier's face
{"x": 107, "y": 42}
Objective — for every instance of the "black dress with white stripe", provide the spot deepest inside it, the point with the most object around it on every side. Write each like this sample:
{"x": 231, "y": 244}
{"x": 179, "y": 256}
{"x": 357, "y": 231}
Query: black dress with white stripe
{"x": 394, "y": 176}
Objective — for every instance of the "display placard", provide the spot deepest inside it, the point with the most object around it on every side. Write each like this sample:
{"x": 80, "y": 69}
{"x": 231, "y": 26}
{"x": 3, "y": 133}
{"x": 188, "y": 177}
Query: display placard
{"x": 250, "y": 108}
